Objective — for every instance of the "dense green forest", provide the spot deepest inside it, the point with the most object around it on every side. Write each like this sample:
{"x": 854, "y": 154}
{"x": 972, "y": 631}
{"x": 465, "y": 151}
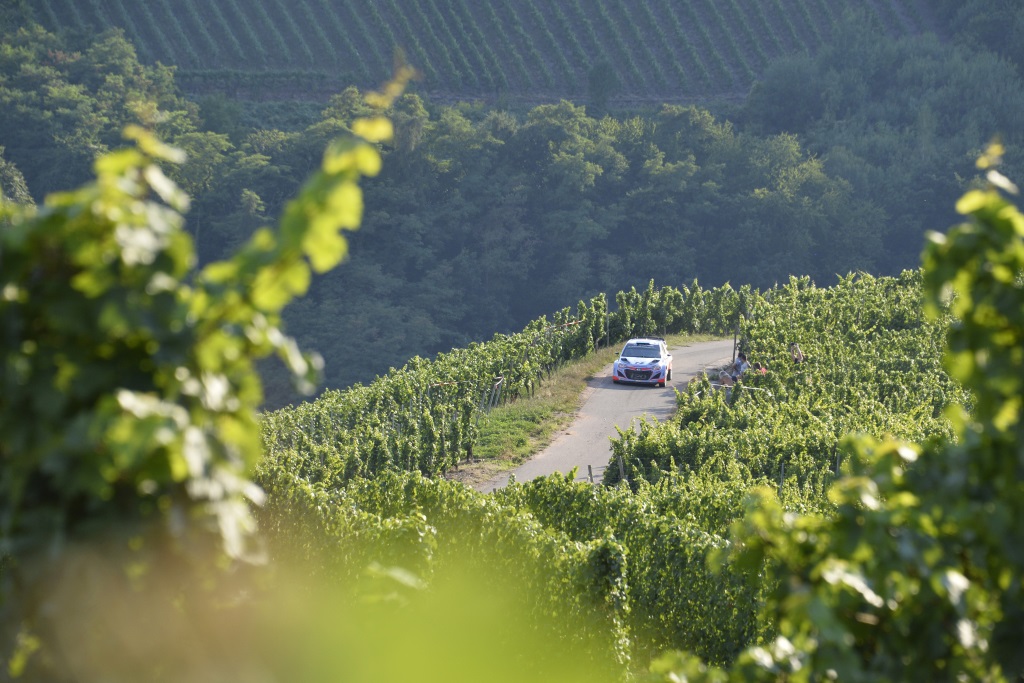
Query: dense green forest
{"x": 838, "y": 161}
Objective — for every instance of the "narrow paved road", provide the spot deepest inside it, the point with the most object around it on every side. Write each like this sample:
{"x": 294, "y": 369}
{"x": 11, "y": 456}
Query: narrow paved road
{"x": 607, "y": 405}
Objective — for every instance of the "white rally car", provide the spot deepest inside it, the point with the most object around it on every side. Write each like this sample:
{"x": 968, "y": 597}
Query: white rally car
{"x": 644, "y": 360}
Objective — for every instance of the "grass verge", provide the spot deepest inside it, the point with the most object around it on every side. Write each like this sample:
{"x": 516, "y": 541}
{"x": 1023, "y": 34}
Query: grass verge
{"x": 512, "y": 433}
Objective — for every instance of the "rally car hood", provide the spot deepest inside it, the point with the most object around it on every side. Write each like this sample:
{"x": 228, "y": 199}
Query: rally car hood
{"x": 638, "y": 361}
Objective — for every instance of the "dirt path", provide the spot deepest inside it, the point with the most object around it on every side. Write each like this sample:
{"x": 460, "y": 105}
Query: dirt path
{"x": 607, "y": 405}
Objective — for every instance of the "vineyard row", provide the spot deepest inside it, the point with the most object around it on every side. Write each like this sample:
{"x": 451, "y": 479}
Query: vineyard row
{"x": 660, "y": 48}
{"x": 425, "y": 416}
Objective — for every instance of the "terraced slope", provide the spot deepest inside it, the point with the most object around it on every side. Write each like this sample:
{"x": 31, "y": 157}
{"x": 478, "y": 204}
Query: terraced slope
{"x": 658, "y": 50}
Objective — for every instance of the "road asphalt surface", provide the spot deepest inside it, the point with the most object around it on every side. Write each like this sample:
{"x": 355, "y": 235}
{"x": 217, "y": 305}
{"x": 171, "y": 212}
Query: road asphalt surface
{"x": 607, "y": 405}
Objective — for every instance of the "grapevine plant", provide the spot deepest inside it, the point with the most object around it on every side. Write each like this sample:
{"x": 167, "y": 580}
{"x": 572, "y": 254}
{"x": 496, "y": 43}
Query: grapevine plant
{"x": 129, "y": 400}
{"x": 917, "y": 575}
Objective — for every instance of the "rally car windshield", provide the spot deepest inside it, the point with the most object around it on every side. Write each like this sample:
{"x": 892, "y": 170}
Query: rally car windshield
{"x": 641, "y": 352}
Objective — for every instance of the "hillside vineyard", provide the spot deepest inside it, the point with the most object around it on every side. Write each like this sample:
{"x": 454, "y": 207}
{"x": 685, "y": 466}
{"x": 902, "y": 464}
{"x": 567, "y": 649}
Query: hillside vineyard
{"x": 528, "y": 50}
{"x": 363, "y": 463}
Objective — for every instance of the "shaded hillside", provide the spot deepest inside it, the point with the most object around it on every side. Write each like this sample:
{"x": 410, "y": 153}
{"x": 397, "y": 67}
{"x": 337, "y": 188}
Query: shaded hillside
{"x": 626, "y": 51}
